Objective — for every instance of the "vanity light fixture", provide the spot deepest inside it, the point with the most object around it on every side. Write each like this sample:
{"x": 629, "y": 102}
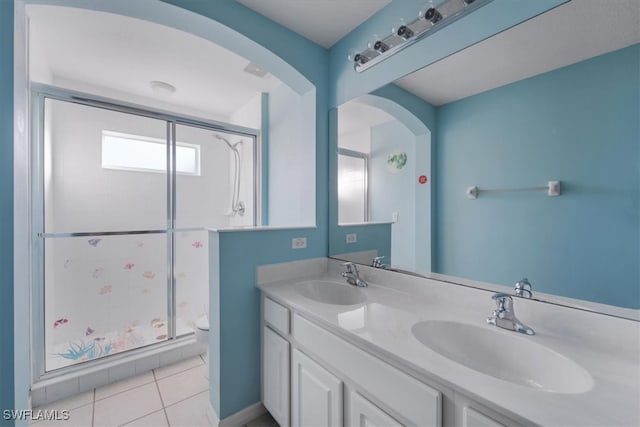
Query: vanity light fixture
{"x": 430, "y": 19}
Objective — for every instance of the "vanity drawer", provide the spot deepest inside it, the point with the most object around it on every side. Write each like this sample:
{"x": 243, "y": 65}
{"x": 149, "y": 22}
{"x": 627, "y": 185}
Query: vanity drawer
{"x": 276, "y": 315}
{"x": 411, "y": 399}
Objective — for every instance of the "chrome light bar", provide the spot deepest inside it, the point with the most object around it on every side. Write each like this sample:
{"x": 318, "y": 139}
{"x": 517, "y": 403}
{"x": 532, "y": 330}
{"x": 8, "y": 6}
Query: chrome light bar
{"x": 430, "y": 19}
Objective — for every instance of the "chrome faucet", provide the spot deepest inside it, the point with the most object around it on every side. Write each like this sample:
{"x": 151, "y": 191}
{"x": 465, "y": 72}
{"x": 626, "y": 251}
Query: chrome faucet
{"x": 377, "y": 262}
{"x": 504, "y": 317}
{"x": 523, "y": 288}
{"x": 353, "y": 276}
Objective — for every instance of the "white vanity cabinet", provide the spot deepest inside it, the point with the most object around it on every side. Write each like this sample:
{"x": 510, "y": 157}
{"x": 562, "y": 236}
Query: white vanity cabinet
{"x": 363, "y": 413}
{"x": 469, "y": 413}
{"x": 305, "y": 368}
{"x": 276, "y": 360}
{"x": 316, "y": 394}
{"x": 275, "y": 375}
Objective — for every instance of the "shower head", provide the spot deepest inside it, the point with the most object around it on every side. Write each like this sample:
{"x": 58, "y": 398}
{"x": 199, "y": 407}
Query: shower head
{"x": 232, "y": 146}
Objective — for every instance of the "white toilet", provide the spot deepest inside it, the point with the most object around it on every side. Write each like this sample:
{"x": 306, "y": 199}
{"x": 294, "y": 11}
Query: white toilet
{"x": 202, "y": 335}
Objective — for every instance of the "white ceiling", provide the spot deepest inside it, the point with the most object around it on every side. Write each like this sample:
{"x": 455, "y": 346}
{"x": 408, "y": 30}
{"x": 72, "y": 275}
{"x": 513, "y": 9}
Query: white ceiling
{"x": 570, "y": 33}
{"x": 84, "y": 48}
{"x": 355, "y": 116}
{"x": 322, "y": 21}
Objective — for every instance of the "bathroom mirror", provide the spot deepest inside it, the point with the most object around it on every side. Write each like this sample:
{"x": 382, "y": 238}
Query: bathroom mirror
{"x": 445, "y": 172}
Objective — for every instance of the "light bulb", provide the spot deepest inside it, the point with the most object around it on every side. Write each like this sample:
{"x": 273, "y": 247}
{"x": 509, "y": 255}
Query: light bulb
{"x": 401, "y": 29}
{"x": 376, "y": 43}
{"x": 352, "y": 55}
{"x": 356, "y": 57}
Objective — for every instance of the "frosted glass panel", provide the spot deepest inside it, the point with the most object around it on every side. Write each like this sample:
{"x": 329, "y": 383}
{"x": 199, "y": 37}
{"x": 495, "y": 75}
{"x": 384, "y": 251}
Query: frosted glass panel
{"x": 192, "y": 279}
{"x": 79, "y": 193}
{"x": 352, "y": 189}
{"x": 103, "y": 295}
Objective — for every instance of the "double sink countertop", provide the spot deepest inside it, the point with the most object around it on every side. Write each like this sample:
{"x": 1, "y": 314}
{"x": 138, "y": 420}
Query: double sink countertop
{"x": 600, "y": 388}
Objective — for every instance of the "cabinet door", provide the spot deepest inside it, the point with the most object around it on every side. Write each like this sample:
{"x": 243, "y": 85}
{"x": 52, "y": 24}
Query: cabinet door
{"x": 275, "y": 376}
{"x": 316, "y": 396}
{"x": 473, "y": 418}
{"x": 363, "y": 413}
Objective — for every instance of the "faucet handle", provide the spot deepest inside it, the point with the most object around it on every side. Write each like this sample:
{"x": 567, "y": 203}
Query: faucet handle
{"x": 377, "y": 262}
{"x": 523, "y": 288}
{"x": 504, "y": 302}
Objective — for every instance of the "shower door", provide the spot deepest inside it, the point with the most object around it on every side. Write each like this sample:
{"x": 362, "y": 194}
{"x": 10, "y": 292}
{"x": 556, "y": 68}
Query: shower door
{"x": 104, "y": 232}
{"x": 123, "y": 198}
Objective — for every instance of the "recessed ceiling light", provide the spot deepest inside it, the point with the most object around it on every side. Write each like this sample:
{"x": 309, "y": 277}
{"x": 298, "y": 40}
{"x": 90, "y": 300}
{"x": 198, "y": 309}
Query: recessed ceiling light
{"x": 162, "y": 88}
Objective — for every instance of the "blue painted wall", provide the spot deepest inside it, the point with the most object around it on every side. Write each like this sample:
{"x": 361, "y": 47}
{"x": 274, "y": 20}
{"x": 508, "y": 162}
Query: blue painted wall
{"x": 395, "y": 192}
{"x": 578, "y": 124}
{"x": 6, "y": 210}
{"x": 369, "y": 237}
{"x": 240, "y": 253}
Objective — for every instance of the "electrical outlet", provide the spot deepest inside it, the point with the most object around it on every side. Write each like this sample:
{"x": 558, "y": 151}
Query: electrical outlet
{"x": 298, "y": 243}
{"x": 352, "y": 238}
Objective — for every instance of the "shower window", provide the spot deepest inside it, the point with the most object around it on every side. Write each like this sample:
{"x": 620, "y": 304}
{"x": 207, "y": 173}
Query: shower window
{"x": 143, "y": 154}
{"x": 121, "y": 259}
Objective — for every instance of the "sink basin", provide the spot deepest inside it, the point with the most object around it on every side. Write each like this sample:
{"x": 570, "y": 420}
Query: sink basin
{"x": 331, "y": 292}
{"x": 504, "y": 355}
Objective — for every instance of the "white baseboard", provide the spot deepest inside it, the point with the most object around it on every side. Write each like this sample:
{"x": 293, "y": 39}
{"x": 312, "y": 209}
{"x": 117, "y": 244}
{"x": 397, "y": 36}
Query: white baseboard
{"x": 242, "y": 417}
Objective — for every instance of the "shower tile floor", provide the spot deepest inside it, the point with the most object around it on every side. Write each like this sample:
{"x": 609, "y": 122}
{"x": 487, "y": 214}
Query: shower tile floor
{"x": 171, "y": 396}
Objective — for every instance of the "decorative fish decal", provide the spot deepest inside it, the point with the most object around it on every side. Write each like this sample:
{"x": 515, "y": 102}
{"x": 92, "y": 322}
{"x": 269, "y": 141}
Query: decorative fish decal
{"x": 106, "y": 289}
{"x": 67, "y": 263}
{"x": 146, "y": 290}
{"x": 197, "y": 244}
{"x": 139, "y": 244}
{"x": 94, "y": 242}
{"x": 97, "y": 272}
{"x": 60, "y": 322}
{"x": 157, "y": 323}
{"x": 148, "y": 274}
{"x": 129, "y": 266}
{"x": 89, "y": 331}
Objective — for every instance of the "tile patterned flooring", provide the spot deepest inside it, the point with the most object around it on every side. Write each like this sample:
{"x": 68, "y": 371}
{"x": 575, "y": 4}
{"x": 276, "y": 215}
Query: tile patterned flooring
{"x": 171, "y": 396}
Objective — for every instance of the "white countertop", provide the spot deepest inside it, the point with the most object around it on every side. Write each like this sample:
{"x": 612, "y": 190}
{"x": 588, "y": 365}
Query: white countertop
{"x": 606, "y": 347}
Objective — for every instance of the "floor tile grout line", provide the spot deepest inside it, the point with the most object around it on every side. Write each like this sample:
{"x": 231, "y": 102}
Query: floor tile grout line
{"x": 176, "y": 373}
{"x": 164, "y": 409}
{"x": 139, "y": 418}
{"x": 187, "y": 398}
{"x": 123, "y": 391}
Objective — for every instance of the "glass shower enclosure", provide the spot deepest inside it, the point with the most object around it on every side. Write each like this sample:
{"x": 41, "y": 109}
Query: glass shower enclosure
{"x": 122, "y": 199}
